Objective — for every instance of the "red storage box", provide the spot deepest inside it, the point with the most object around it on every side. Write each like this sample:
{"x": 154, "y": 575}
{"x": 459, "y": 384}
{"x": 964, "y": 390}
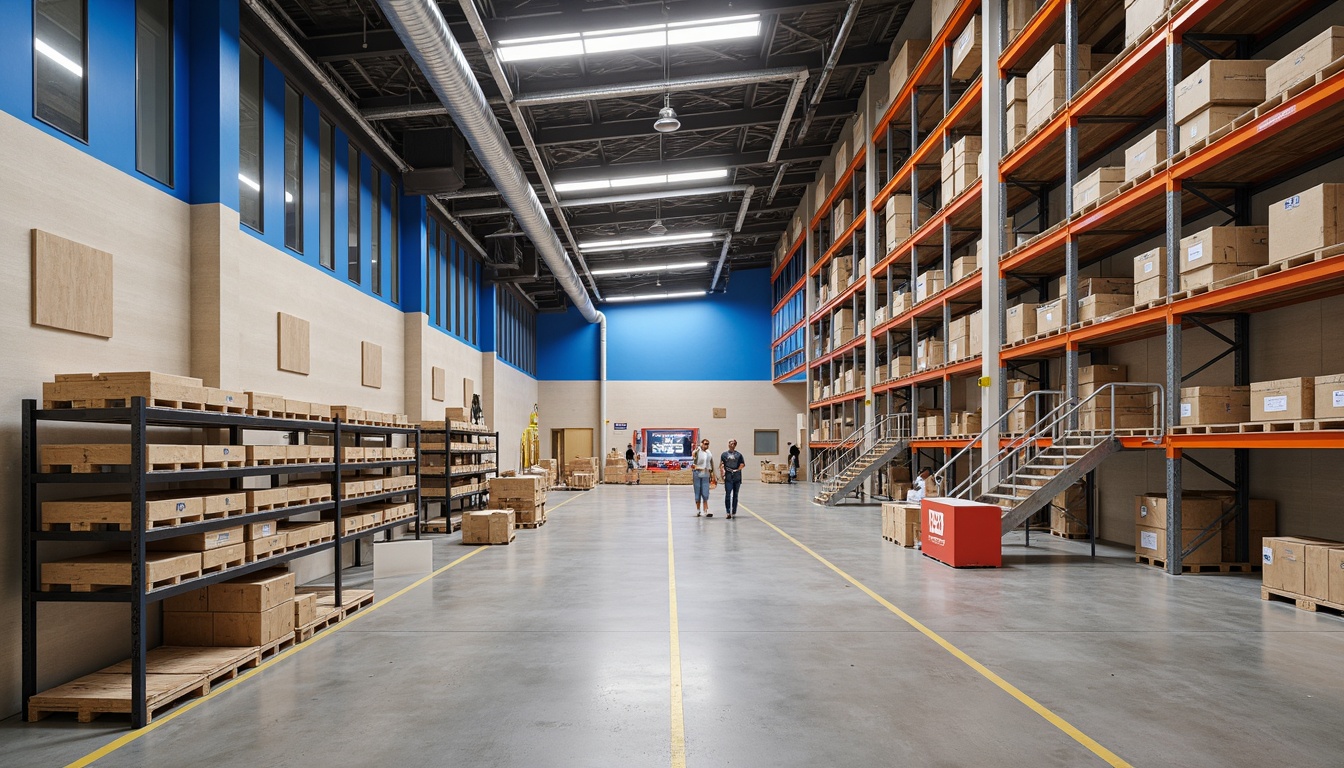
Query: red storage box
{"x": 962, "y": 533}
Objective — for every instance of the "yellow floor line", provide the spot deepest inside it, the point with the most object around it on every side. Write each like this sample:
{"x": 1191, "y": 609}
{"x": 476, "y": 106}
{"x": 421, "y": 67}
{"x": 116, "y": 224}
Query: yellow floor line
{"x": 678, "y": 715}
{"x": 1097, "y": 749}
{"x": 113, "y": 746}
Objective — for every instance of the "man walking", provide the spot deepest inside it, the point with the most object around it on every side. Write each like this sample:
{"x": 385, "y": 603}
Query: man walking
{"x": 793, "y": 462}
{"x": 702, "y": 472}
{"x": 730, "y": 467}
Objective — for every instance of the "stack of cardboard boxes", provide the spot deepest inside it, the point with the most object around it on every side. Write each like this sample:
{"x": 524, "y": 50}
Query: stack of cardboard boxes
{"x": 961, "y": 166}
{"x": 842, "y": 326}
{"x": 1221, "y": 252}
{"x": 525, "y": 495}
{"x": 930, "y": 353}
{"x": 1205, "y": 517}
{"x": 1101, "y": 296}
{"x": 1068, "y": 512}
{"x": 900, "y": 522}
{"x": 1215, "y": 95}
{"x": 1020, "y": 322}
{"x": 1116, "y": 407}
{"x": 1140, "y": 15}
{"x": 1022, "y": 418}
{"x": 254, "y": 610}
{"x": 1097, "y": 185}
{"x": 931, "y": 425}
{"x": 1150, "y": 276}
{"x": 900, "y": 222}
{"x": 1306, "y": 222}
{"x": 964, "y": 337}
{"x": 1304, "y": 567}
{"x": 1046, "y": 86}
{"x": 488, "y": 526}
{"x": 1015, "y": 112}
{"x": 1145, "y": 154}
{"x": 965, "y": 423}
{"x": 929, "y": 283}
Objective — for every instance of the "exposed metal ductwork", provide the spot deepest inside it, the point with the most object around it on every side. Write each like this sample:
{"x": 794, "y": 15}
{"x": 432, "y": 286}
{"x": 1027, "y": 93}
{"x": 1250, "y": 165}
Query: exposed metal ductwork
{"x": 424, "y": 32}
{"x": 838, "y": 47}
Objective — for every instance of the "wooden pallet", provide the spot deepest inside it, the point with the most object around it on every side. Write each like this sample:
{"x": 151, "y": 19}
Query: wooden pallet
{"x": 441, "y": 525}
{"x": 1303, "y": 602}
{"x": 112, "y": 570}
{"x": 1071, "y": 536}
{"x": 223, "y": 558}
{"x": 512, "y": 536}
{"x": 1207, "y": 429}
{"x": 114, "y": 457}
{"x": 102, "y": 694}
{"x": 276, "y": 647}
{"x": 1200, "y": 567}
{"x": 217, "y": 665}
{"x": 537, "y": 524}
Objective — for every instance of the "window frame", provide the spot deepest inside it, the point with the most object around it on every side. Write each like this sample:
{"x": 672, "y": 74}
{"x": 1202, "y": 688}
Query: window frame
{"x": 294, "y": 213}
{"x": 171, "y": 74}
{"x": 326, "y": 214}
{"x": 376, "y": 230}
{"x": 757, "y": 434}
{"x": 354, "y": 211}
{"x": 245, "y": 48}
{"x": 83, "y": 135}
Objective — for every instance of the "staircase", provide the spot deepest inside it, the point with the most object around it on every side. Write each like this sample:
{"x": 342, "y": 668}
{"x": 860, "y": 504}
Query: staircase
{"x": 1031, "y": 469}
{"x": 861, "y": 454}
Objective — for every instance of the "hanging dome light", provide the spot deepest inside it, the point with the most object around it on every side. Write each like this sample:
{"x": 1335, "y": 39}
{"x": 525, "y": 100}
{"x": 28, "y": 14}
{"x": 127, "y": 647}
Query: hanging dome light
{"x": 667, "y": 121}
{"x": 657, "y": 229}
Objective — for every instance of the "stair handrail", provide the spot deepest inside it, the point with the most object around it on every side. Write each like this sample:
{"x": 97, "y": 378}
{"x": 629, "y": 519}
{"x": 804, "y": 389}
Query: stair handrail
{"x": 857, "y": 443}
{"x": 1055, "y": 425}
{"x": 940, "y": 475}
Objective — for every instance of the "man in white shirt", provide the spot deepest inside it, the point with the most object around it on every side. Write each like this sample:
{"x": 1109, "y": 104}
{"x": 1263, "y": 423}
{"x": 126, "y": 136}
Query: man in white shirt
{"x": 923, "y": 486}
{"x": 702, "y": 471}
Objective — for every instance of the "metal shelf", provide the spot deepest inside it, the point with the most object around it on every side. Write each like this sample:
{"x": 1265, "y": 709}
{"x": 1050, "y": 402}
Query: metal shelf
{"x": 183, "y": 475}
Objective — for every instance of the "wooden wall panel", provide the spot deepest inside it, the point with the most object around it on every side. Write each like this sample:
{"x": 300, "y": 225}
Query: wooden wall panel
{"x": 293, "y": 343}
{"x": 72, "y": 285}
{"x": 373, "y": 365}
{"x": 439, "y": 383}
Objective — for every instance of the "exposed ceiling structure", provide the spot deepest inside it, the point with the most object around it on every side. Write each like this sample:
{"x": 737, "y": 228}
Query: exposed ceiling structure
{"x": 587, "y": 115}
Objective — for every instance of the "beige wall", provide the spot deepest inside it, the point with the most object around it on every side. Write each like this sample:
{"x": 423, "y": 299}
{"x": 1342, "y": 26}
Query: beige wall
{"x": 427, "y": 348}
{"x": 751, "y": 405}
{"x": 148, "y": 233}
{"x": 508, "y": 398}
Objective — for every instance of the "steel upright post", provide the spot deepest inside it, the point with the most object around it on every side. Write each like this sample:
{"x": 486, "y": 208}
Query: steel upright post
{"x": 1175, "y": 223}
{"x": 29, "y": 563}
{"x": 139, "y": 601}
{"x": 1070, "y": 297}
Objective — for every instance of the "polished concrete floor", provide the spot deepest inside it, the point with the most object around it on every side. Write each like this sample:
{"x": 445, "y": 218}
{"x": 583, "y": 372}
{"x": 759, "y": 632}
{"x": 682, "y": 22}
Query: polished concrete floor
{"x": 557, "y": 651}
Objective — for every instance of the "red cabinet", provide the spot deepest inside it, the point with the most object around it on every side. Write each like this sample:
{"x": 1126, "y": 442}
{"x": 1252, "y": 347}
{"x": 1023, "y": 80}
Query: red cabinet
{"x": 962, "y": 533}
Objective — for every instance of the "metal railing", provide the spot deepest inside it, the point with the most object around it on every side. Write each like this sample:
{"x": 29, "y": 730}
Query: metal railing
{"x": 891, "y": 426}
{"x": 1034, "y": 399}
{"x": 1055, "y": 426}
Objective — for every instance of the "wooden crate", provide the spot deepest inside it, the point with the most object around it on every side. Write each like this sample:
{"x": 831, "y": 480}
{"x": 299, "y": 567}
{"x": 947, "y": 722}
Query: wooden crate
{"x": 225, "y": 401}
{"x": 82, "y": 458}
{"x": 266, "y": 546}
{"x": 223, "y": 558}
{"x": 115, "y": 390}
{"x": 219, "y": 456}
{"x": 262, "y": 404}
{"x": 113, "y": 569}
{"x": 114, "y": 512}
{"x": 264, "y": 499}
{"x": 268, "y": 455}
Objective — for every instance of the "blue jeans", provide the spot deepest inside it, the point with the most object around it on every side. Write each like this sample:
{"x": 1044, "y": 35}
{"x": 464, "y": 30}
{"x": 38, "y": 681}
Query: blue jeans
{"x": 701, "y": 481}
{"x": 732, "y": 481}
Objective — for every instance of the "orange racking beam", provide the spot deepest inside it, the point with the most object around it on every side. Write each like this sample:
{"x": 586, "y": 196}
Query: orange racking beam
{"x": 794, "y": 372}
{"x": 840, "y": 242}
{"x": 848, "y": 346}
{"x": 969, "y": 100}
{"x": 966, "y": 199}
{"x": 933, "y": 374}
{"x": 1299, "y": 440}
{"x": 931, "y": 58}
{"x": 796, "y": 327}
{"x": 793, "y": 251}
{"x": 837, "y": 400}
{"x": 855, "y": 287}
{"x": 1033, "y": 33}
{"x": 798, "y": 286}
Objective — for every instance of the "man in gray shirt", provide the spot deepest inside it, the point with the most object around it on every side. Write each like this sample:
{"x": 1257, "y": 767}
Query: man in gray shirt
{"x": 730, "y": 466}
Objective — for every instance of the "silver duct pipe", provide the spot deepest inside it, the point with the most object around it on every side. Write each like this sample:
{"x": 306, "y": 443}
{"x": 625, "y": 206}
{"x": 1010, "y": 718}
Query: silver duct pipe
{"x": 423, "y": 31}
{"x": 742, "y": 212}
{"x": 468, "y": 194}
{"x": 774, "y": 187}
{"x": 819, "y": 91}
{"x": 723, "y": 256}
{"x": 795, "y": 94}
{"x": 402, "y": 112}
{"x": 659, "y": 87}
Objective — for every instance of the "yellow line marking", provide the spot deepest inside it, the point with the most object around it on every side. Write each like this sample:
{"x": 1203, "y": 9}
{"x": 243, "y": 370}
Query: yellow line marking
{"x": 678, "y": 715}
{"x": 1105, "y": 754}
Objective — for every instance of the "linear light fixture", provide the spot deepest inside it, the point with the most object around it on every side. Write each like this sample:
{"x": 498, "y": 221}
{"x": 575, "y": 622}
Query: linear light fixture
{"x": 685, "y": 238}
{"x": 650, "y": 296}
{"x": 629, "y": 38}
{"x": 650, "y": 268}
{"x": 641, "y": 181}
{"x": 58, "y": 57}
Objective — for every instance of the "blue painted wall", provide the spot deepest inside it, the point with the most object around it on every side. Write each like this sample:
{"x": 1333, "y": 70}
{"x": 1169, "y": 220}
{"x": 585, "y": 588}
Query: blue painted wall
{"x": 723, "y": 337}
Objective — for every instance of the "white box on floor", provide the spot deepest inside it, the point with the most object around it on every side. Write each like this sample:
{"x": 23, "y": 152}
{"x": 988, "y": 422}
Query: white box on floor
{"x": 402, "y": 558}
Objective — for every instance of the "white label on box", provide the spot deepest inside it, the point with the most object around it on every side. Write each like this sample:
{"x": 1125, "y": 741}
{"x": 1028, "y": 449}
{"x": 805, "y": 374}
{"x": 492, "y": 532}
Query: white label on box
{"x": 1194, "y": 131}
{"x": 1050, "y": 316}
{"x": 1148, "y": 540}
{"x": 1267, "y": 555}
{"x": 1337, "y": 398}
{"x": 266, "y": 529}
{"x": 1185, "y": 410}
{"x": 1143, "y": 510}
{"x": 1276, "y": 404}
{"x": 1147, "y": 267}
{"x": 1194, "y": 252}
{"x": 1139, "y": 158}
{"x": 1292, "y": 202}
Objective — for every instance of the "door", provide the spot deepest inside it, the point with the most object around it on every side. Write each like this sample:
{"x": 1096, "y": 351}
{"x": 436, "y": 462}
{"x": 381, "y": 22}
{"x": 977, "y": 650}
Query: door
{"x": 578, "y": 444}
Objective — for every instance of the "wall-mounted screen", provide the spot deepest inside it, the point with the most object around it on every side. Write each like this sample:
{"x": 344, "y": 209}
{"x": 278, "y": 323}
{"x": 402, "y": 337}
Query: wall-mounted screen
{"x": 669, "y": 448}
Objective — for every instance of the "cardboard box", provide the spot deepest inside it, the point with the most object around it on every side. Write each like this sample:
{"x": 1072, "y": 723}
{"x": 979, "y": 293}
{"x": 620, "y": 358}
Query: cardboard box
{"x": 194, "y": 629}
{"x": 1337, "y": 576}
{"x": 1305, "y": 62}
{"x": 1215, "y": 405}
{"x": 1050, "y": 316}
{"x": 1213, "y": 273}
{"x": 305, "y": 609}
{"x": 1015, "y": 91}
{"x": 1306, "y": 222}
{"x": 1021, "y": 322}
{"x": 900, "y": 522}
{"x": 905, "y": 62}
{"x": 966, "y": 51}
{"x": 964, "y": 267}
{"x": 930, "y": 353}
{"x": 199, "y": 542}
{"x": 1018, "y": 388}
{"x": 1151, "y": 265}
{"x": 942, "y": 11}
{"x": 1145, "y": 154}
{"x": 1244, "y": 246}
{"x": 1205, "y": 123}
{"x": 1140, "y": 15}
{"x": 1016, "y": 120}
{"x": 974, "y": 323}
{"x": 244, "y": 629}
{"x": 1283, "y": 399}
{"x": 1102, "y": 304}
{"x": 1197, "y": 512}
{"x": 1316, "y": 580}
{"x": 488, "y": 526}
{"x": 1096, "y": 185}
{"x": 929, "y": 283}
{"x": 900, "y": 367}
{"x": 254, "y": 593}
{"x": 1091, "y": 286}
{"x": 1284, "y": 562}
{"x": 1019, "y": 13}
{"x": 1152, "y": 542}
{"x": 1148, "y": 291}
{"x": 1047, "y": 86}
{"x": 1329, "y": 397}
{"x": 1221, "y": 83}
{"x": 1102, "y": 374}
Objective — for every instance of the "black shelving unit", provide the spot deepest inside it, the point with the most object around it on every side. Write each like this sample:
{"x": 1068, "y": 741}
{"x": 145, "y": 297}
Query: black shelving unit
{"x": 471, "y": 499}
{"x": 139, "y": 418}
{"x": 434, "y": 437}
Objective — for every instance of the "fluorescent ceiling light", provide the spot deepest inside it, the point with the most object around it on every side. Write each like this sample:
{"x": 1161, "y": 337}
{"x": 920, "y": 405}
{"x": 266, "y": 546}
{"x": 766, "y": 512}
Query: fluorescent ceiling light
{"x": 629, "y": 38}
{"x": 685, "y": 238}
{"x": 57, "y": 56}
{"x": 641, "y": 181}
{"x": 647, "y": 296}
{"x": 650, "y": 268}
{"x": 249, "y": 182}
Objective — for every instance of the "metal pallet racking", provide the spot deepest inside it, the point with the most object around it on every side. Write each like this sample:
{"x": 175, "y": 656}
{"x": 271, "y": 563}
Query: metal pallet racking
{"x": 139, "y": 418}
{"x": 1127, "y": 98}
